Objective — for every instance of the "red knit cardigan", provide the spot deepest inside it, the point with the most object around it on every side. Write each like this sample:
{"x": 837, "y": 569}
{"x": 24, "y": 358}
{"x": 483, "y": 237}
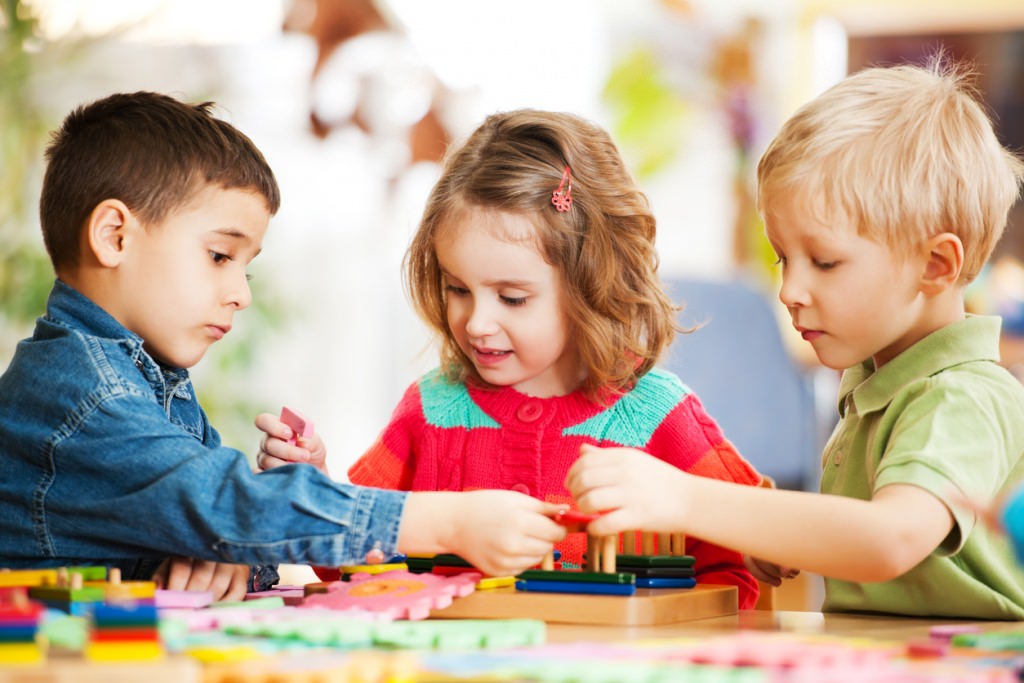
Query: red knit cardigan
{"x": 453, "y": 437}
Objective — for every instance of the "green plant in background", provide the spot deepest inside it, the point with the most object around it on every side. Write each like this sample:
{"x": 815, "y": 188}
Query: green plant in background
{"x": 26, "y": 61}
{"x": 649, "y": 113}
{"x": 25, "y": 272}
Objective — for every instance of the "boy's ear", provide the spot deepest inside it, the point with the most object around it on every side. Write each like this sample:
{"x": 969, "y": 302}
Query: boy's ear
{"x": 106, "y": 231}
{"x": 945, "y": 261}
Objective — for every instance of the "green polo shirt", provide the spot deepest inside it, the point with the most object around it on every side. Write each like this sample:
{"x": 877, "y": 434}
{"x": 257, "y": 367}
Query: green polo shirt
{"x": 943, "y": 416}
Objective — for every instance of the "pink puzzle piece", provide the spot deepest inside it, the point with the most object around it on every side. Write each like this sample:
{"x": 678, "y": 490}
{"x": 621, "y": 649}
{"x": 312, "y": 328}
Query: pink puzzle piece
{"x": 299, "y": 424}
{"x": 399, "y": 593}
{"x": 168, "y": 599}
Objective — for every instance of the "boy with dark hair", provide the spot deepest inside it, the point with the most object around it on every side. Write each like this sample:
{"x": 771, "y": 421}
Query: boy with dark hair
{"x": 151, "y": 211}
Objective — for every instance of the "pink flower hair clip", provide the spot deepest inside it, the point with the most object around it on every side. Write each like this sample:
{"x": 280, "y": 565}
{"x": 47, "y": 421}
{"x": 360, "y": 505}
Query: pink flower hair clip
{"x": 562, "y": 197}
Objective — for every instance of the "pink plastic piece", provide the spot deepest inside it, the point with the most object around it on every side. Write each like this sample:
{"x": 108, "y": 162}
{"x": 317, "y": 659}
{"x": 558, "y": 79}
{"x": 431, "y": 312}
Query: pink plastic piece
{"x": 399, "y": 593}
{"x": 299, "y": 424}
{"x": 174, "y": 599}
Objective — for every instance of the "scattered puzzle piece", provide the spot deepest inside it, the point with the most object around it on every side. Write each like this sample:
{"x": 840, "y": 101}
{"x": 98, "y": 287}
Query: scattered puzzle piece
{"x": 402, "y": 594}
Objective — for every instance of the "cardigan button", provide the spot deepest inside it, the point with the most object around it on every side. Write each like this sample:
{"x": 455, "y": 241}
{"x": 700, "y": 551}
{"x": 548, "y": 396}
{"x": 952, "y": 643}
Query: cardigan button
{"x": 530, "y": 411}
{"x": 521, "y": 488}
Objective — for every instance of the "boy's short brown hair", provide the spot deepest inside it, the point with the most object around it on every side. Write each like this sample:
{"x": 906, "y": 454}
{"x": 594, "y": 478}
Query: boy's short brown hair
{"x": 147, "y": 150}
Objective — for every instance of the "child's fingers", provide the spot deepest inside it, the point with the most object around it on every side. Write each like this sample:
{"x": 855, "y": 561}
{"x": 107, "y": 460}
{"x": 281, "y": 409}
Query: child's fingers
{"x": 275, "y": 452}
{"x": 595, "y": 468}
{"x": 552, "y": 509}
{"x": 613, "y": 522}
{"x": 220, "y": 582}
{"x": 272, "y": 425}
{"x": 265, "y": 461}
{"x": 159, "y": 577}
{"x": 239, "y": 585}
{"x": 229, "y": 581}
{"x": 763, "y": 571}
{"x": 600, "y": 498}
{"x": 179, "y": 570}
{"x": 203, "y": 573}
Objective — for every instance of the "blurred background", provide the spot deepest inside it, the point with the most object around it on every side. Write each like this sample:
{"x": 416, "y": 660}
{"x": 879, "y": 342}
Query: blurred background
{"x": 354, "y": 101}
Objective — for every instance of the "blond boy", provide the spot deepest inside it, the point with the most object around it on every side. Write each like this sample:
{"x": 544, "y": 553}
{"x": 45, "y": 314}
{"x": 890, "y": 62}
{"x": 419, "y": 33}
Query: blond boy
{"x": 882, "y": 199}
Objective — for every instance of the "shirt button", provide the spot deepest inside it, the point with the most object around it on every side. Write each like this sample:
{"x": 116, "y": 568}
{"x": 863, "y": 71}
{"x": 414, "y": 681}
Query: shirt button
{"x": 530, "y": 411}
{"x": 837, "y": 458}
{"x": 521, "y": 488}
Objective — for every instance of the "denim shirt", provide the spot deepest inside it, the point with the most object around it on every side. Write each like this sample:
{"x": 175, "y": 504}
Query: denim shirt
{"x": 106, "y": 457}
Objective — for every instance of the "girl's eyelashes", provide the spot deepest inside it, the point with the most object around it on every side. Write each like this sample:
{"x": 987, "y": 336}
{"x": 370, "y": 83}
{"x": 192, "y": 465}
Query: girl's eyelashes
{"x": 219, "y": 257}
{"x": 458, "y": 290}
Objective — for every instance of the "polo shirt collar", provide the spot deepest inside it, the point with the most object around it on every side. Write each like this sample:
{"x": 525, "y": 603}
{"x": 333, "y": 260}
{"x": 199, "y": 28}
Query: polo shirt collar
{"x": 974, "y": 338}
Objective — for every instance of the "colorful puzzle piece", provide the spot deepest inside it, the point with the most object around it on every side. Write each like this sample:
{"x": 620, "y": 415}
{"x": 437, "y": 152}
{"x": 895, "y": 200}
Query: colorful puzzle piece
{"x": 124, "y": 632}
{"x": 402, "y": 594}
{"x": 19, "y": 624}
{"x": 168, "y": 599}
{"x": 28, "y": 577}
{"x": 592, "y": 588}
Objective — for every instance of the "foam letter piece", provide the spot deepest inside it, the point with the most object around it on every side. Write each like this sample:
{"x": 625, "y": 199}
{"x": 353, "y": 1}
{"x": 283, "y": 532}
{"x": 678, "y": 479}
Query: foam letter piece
{"x": 402, "y": 594}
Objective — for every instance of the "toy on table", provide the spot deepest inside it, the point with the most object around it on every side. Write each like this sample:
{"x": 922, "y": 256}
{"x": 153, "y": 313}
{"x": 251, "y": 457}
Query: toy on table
{"x": 671, "y": 569}
{"x": 402, "y": 594}
{"x": 69, "y": 593}
{"x": 572, "y": 520}
{"x": 300, "y": 425}
{"x": 127, "y": 631}
{"x": 19, "y": 624}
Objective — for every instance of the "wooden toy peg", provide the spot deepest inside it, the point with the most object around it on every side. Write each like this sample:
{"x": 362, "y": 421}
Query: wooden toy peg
{"x": 593, "y": 553}
{"x": 677, "y": 545}
{"x": 609, "y": 547}
{"x": 548, "y": 563}
{"x": 647, "y": 543}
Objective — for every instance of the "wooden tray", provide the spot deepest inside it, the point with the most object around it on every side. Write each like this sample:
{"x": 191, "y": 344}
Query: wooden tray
{"x": 649, "y": 606}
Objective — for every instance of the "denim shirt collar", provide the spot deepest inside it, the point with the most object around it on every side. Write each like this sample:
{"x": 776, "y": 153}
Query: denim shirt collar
{"x": 68, "y": 307}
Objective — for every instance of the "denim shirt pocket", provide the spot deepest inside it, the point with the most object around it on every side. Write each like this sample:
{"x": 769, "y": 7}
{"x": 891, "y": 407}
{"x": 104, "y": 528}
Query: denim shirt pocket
{"x": 184, "y": 411}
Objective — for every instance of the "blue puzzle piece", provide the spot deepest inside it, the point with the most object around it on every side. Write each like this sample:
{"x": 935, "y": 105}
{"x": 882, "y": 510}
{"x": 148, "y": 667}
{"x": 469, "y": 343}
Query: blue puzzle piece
{"x": 663, "y": 582}
{"x": 574, "y": 587}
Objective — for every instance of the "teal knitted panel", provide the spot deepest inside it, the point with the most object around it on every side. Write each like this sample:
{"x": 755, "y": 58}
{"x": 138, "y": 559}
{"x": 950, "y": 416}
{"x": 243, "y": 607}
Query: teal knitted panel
{"x": 448, "y": 405}
{"x": 633, "y": 418}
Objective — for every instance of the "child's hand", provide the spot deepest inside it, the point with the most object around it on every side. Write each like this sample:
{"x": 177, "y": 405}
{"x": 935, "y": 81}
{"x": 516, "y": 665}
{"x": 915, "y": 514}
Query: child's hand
{"x": 224, "y": 581}
{"x": 768, "y": 572}
{"x": 501, "y": 533}
{"x": 276, "y": 451}
{"x": 640, "y": 491}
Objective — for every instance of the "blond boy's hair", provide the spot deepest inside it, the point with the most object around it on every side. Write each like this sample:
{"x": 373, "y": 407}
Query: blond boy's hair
{"x": 903, "y": 152}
